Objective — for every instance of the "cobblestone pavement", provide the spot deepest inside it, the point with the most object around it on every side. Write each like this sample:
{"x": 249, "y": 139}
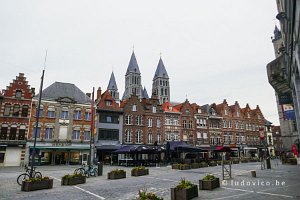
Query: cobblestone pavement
{"x": 280, "y": 182}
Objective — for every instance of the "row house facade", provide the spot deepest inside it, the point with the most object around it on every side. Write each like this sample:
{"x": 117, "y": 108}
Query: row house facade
{"x": 143, "y": 121}
{"x": 188, "y": 131}
{"x": 109, "y": 125}
{"x": 172, "y": 122}
{"x": 15, "y": 107}
{"x": 64, "y": 128}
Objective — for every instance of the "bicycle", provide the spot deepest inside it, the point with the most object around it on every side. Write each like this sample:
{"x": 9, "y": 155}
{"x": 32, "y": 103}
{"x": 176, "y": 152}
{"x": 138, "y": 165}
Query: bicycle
{"x": 87, "y": 171}
{"x": 26, "y": 175}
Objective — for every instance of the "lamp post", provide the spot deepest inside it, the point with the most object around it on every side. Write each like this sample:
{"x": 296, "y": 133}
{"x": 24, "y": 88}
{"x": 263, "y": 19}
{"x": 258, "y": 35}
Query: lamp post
{"x": 92, "y": 131}
{"x": 36, "y": 124}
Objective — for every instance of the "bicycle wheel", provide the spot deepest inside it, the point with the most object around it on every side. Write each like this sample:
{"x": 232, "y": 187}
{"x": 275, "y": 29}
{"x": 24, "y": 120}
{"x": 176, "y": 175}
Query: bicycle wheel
{"x": 38, "y": 175}
{"x": 21, "y": 178}
{"x": 95, "y": 172}
{"x": 79, "y": 171}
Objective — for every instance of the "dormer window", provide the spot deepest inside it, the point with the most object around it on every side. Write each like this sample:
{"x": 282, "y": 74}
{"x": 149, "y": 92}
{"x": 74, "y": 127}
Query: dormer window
{"x": 187, "y": 111}
{"x": 134, "y": 107}
{"x": 199, "y": 111}
{"x": 108, "y": 102}
{"x": 258, "y": 116}
{"x": 248, "y": 115}
{"x": 18, "y": 94}
{"x": 237, "y": 113}
{"x": 226, "y": 112}
{"x": 171, "y": 108}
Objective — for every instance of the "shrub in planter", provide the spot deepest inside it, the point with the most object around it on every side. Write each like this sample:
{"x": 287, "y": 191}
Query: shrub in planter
{"x": 292, "y": 161}
{"x": 212, "y": 163}
{"x": 184, "y": 191}
{"x": 184, "y": 166}
{"x": 195, "y": 165}
{"x": 226, "y": 162}
{"x": 139, "y": 171}
{"x": 209, "y": 182}
{"x": 235, "y": 161}
{"x": 116, "y": 174}
{"x": 244, "y": 160}
{"x": 144, "y": 195}
{"x": 32, "y": 184}
{"x": 204, "y": 164}
{"x": 219, "y": 162}
{"x": 175, "y": 166}
{"x": 73, "y": 179}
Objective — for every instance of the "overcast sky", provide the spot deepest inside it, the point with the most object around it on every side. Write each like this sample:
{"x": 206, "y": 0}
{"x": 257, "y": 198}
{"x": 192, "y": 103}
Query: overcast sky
{"x": 212, "y": 50}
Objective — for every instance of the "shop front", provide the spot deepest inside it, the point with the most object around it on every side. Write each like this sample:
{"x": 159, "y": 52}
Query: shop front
{"x": 60, "y": 155}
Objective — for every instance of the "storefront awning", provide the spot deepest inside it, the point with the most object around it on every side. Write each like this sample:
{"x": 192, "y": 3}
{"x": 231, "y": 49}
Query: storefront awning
{"x": 61, "y": 147}
{"x": 108, "y": 147}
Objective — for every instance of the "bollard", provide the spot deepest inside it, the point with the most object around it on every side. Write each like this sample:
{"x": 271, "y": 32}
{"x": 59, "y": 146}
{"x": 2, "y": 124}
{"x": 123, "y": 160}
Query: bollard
{"x": 253, "y": 173}
{"x": 100, "y": 168}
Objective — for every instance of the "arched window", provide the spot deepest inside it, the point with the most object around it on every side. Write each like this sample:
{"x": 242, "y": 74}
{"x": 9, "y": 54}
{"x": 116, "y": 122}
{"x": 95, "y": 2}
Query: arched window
{"x": 128, "y": 136}
{"x": 22, "y": 131}
{"x": 138, "y": 137}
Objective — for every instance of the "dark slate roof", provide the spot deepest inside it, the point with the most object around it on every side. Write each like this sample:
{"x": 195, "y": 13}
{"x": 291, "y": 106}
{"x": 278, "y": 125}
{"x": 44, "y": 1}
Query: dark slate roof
{"x": 60, "y": 91}
{"x": 112, "y": 85}
{"x": 268, "y": 122}
{"x": 161, "y": 71}
{"x": 133, "y": 65}
{"x": 145, "y": 94}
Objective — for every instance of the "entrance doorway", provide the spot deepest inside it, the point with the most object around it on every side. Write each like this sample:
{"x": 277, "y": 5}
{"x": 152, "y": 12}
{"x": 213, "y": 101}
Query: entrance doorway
{"x": 61, "y": 158}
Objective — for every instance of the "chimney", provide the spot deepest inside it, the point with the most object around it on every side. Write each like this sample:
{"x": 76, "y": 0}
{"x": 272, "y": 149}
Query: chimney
{"x": 99, "y": 93}
{"x": 88, "y": 94}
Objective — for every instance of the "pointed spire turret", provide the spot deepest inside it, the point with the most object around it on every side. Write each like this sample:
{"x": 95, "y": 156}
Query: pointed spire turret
{"x": 113, "y": 88}
{"x": 161, "y": 71}
{"x": 277, "y": 33}
{"x": 160, "y": 83}
{"x": 145, "y": 94}
{"x": 133, "y": 65}
{"x": 112, "y": 85}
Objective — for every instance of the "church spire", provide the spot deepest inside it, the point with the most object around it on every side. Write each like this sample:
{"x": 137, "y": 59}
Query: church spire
{"x": 133, "y": 66}
{"x": 113, "y": 88}
{"x": 161, "y": 71}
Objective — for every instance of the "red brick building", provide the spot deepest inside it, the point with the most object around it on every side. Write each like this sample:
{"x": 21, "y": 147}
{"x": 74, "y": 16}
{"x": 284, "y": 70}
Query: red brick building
{"x": 171, "y": 122}
{"x": 14, "y": 121}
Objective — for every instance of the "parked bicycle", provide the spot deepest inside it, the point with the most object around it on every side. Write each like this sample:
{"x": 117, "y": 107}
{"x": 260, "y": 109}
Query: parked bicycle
{"x": 87, "y": 171}
{"x": 26, "y": 175}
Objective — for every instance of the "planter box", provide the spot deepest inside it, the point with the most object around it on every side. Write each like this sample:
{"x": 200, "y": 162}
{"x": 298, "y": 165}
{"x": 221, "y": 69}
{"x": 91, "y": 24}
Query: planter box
{"x": 175, "y": 166}
{"x": 244, "y": 161}
{"x": 112, "y": 175}
{"x": 40, "y": 185}
{"x": 184, "y": 194}
{"x": 209, "y": 185}
{"x": 139, "y": 172}
{"x": 235, "y": 162}
{"x": 203, "y": 164}
{"x": 73, "y": 181}
{"x": 184, "y": 167}
{"x": 195, "y": 165}
{"x": 212, "y": 164}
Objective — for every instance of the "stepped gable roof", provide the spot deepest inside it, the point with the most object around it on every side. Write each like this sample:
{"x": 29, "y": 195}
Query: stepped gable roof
{"x": 133, "y": 66}
{"x": 68, "y": 92}
{"x": 102, "y": 105}
{"x": 161, "y": 71}
{"x": 112, "y": 85}
{"x": 167, "y": 107}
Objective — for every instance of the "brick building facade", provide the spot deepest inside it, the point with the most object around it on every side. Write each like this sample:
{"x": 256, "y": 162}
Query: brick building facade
{"x": 15, "y": 110}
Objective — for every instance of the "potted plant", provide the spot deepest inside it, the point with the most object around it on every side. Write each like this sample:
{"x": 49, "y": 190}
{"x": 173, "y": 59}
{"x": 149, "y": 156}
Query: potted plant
{"x": 144, "y": 195}
{"x": 32, "y": 184}
{"x": 185, "y": 190}
{"x": 209, "y": 182}
{"x": 139, "y": 171}
{"x": 244, "y": 160}
{"x": 116, "y": 174}
{"x": 73, "y": 179}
